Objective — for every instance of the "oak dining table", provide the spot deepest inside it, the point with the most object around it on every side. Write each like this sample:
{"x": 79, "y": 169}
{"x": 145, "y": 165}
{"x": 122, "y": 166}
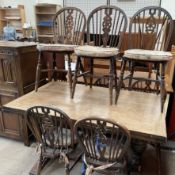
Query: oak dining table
{"x": 138, "y": 111}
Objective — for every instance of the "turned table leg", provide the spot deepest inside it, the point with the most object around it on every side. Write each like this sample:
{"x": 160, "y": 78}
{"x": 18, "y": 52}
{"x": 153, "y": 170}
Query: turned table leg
{"x": 137, "y": 147}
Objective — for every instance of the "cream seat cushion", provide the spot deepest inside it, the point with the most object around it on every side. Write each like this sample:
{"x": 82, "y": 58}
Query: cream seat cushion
{"x": 147, "y": 55}
{"x": 56, "y": 47}
{"x": 94, "y": 51}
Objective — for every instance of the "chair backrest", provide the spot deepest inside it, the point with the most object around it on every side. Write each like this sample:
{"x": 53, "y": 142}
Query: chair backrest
{"x": 102, "y": 140}
{"x": 150, "y": 28}
{"x": 106, "y": 26}
{"x": 51, "y": 127}
{"x": 69, "y": 25}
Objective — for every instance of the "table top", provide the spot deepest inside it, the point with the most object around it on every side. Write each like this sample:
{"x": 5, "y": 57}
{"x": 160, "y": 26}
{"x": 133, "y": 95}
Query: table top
{"x": 138, "y": 111}
{"x": 16, "y": 44}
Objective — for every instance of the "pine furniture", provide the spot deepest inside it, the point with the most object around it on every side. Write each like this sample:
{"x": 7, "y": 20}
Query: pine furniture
{"x": 44, "y": 14}
{"x": 15, "y": 17}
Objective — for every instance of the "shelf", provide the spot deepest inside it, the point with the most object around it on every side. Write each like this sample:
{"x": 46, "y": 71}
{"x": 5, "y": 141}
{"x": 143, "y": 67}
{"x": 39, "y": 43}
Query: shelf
{"x": 44, "y": 13}
{"x": 11, "y": 18}
{"x": 45, "y": 5}
{"x": 19, "y": 29}
{"x": 47, "y": 36}
{"x": 1, "y": 8}
{"x": 5, "y": 20}
{"x": 45, "y": 24}
{"x": 16, "y": 17}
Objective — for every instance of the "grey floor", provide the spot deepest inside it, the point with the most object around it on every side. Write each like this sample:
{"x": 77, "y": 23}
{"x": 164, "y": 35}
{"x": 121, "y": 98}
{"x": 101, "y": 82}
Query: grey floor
{"x": 17, "y": 159}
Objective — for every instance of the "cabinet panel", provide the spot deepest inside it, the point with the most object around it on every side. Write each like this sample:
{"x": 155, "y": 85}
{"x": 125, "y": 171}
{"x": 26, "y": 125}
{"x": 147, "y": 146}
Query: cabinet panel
{"x": 9, "y": 122}
{"x": 10, "y": 125}
{"x": 28, "y": 66}
{"x": 7, "y": 69}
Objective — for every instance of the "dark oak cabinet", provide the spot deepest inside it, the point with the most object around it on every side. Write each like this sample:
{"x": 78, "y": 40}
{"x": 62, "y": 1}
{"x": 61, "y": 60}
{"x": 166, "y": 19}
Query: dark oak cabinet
{"x": 18, "y": 62}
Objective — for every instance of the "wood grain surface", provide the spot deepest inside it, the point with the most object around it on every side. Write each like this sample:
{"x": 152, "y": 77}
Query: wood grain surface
{"x": 138, "y": 111}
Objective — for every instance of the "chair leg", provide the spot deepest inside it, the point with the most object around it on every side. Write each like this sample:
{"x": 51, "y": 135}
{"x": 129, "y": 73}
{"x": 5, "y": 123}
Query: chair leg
{"x": 82, "y": 70}
{"x": 158, "y": 152}
{"x": 66, "y": 161}
{"x": 157, "y": 66}
{"x": 38, "y": 72}
{"x": 54, "y": 75}
{"x": 115, "y": 75}
{"x": 75, "y": 76}
{"x": 120, "y": 80}
{"x": 83, "y": 168}
{"x": 76, "y": 161}
{"x": 70, "y": 73}
{"x": 67, "y": 171}
{"x": 131, "y": 76}
{"x": 148, "y": 83}
{"x": 111, "y": 78}
{"x": 91, "y": 71}
{"x": 162, "y": 86}
{"x": 36, "y": 169}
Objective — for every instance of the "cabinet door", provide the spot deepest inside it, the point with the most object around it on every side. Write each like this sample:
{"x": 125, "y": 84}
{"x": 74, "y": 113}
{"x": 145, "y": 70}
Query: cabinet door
{"x": 7, "y": 67}
{"x": 10, "y": 123}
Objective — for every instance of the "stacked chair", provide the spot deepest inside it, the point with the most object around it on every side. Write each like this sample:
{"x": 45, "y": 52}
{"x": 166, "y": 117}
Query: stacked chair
{"x": 150, "y": 32}
{"x": 68, "y": 27}
{"x": 106, "y": 26}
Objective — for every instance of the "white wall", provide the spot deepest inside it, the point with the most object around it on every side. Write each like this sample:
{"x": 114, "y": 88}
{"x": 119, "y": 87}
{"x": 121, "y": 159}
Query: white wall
{"x": 170, "y": 6}
{"x": 29, "y": 6}
{"x": 129, "y": 6}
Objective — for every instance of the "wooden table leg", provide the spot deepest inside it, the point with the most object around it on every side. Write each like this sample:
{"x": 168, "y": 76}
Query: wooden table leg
{"x": 138, "y": 147}
{"x": 25, "y": 131}
{"x": 158, "y": 155}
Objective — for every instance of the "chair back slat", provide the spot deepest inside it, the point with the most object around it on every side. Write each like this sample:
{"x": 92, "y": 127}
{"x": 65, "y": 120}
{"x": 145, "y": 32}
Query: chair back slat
{"x": 150, "y": 28}
{"x": 51, "y": 127}
{"x": 69, "y": 25}
{"x": 106, "y": 26}
{"x": 102, "y": 140}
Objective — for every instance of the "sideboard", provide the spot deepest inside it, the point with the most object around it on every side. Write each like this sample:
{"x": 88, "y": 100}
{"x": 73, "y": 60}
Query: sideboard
{"x": 18, "y": 62}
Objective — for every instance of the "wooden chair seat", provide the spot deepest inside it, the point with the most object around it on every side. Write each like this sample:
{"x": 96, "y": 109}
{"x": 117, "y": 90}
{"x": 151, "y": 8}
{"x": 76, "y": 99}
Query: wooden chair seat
{"x": 56, "y": 47}
{"x": 147, "y": 55}
{"x": 48, "y": 152}
{"x": 95, "y": 51}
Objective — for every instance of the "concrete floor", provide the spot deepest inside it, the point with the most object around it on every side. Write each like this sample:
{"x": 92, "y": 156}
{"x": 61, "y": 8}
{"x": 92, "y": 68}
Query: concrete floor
{"x": 17, "y": 159}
